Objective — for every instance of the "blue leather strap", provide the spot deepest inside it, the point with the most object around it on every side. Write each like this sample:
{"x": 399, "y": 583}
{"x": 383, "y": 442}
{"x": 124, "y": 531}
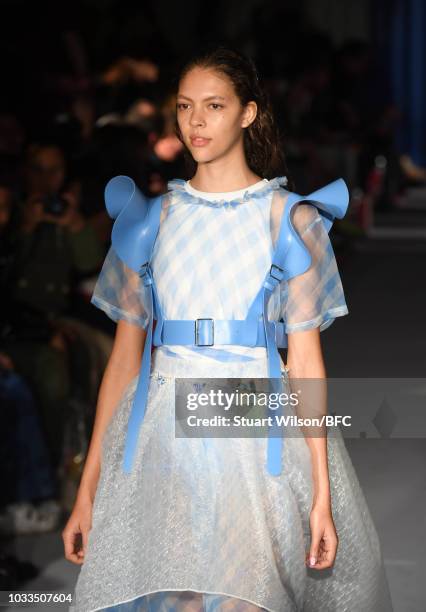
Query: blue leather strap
{"x": 207, "y": 332}
{"x": 291, "y": 257}
{"x": 126, "y": 233}
{"x": 138, "y": 410}
{"x": 275, "y": 432}
{"x": 260, "y": 303}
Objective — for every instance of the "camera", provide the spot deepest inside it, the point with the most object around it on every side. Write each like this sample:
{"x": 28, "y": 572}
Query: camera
{"x": 54, "y": 205}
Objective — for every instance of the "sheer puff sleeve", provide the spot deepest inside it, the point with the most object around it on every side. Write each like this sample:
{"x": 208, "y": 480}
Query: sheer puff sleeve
{"x": 314, "y": 298}
{"x": 120, "y": 292}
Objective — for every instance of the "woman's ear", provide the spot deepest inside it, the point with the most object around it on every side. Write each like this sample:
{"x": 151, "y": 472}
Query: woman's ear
{"x": 249, "y": 114}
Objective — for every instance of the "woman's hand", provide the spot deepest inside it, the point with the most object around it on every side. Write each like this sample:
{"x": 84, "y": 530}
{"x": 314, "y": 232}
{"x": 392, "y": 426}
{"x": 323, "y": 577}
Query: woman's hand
{"x": 324, "y": 539}
{"x": 76, "y": 531}
{"x": 71, "y": 217}
{"x": 34, "y": 213}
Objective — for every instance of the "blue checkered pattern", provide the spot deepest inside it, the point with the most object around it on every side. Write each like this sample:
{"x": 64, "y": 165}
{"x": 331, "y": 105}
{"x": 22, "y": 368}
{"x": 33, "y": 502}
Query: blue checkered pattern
{"x": 119, "y": 292}
{"x": 210, "y": 259}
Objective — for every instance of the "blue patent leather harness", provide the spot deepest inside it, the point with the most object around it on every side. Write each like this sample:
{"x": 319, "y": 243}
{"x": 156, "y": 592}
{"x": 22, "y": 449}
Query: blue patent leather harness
{"x": 136, "y": 226}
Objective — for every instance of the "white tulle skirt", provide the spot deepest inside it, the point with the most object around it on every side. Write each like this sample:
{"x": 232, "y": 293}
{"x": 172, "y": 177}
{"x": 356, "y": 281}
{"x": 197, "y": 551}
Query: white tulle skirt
{"x": 208, "y": 518}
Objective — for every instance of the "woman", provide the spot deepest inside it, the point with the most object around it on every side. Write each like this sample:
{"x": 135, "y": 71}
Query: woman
{"x": 195, "y": 523}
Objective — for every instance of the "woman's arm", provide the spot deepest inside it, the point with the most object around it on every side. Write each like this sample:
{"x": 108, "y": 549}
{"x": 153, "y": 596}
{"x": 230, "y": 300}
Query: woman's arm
{"x": 123, "y": 365}
{"x": 305, "y": 360}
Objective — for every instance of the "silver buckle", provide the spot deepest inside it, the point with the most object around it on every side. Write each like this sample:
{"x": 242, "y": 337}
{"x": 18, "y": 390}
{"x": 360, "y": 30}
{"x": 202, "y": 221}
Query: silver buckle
{"x": 143, "y": 269}
{"x": 281, "y": 270}
{"x": 211, "y": 332}
{"x": 145, "y": 274}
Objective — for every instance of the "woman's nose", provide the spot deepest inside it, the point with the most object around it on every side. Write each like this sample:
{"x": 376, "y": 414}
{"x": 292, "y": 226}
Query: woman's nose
{"x": 197, "y": 118}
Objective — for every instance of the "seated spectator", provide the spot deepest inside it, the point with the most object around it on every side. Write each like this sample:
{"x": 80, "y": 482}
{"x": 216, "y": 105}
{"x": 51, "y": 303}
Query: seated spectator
{"x": 53, "y": 246}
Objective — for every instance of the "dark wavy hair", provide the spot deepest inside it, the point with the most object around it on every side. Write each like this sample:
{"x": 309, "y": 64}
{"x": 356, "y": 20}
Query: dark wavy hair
{"x": 263, "y": 145}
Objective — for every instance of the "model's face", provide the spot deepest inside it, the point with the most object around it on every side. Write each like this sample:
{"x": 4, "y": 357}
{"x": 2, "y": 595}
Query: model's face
{"x": 210, "y": 116}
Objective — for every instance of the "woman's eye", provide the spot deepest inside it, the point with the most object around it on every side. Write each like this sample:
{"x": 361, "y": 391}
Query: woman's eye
{"x": 184, "y": 106}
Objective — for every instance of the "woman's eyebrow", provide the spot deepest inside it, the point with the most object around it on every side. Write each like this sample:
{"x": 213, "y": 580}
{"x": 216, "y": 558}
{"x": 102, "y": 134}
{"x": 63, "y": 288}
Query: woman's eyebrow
{"x": 205, "y": 99}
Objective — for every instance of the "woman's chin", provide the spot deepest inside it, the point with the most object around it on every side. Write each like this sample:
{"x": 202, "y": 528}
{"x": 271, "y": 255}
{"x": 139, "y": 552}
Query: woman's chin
{"x": 202, "y": 157}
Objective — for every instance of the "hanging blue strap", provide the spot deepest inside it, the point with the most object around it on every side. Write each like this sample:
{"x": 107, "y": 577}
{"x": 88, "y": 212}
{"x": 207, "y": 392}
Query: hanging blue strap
{"x": 291, "y": 257}
{"x": 275, "y": 431}
{"x": 137, "y": 221}
{"x": 140, "y": 399}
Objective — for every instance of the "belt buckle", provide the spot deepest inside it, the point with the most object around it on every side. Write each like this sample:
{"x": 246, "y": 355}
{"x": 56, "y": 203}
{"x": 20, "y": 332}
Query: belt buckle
{"x": 144, "y": 273}
{"x": 280, "y": 273}
{"x": 143, "y": 269}
{"x": 211, "y": 332}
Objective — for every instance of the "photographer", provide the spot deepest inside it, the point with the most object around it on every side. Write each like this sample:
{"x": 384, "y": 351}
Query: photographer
{"x": 54, "y": 248}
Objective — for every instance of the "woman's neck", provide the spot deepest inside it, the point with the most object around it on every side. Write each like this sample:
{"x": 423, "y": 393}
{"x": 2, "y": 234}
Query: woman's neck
{"x": 220, "y": 178}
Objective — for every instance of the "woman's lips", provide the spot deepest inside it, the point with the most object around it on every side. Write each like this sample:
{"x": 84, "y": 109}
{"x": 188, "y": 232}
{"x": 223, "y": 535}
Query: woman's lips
{"x": 199, "y": 142}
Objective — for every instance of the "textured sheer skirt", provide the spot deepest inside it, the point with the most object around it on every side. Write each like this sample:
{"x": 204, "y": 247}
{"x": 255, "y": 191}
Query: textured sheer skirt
{"x": 200, "y": 525}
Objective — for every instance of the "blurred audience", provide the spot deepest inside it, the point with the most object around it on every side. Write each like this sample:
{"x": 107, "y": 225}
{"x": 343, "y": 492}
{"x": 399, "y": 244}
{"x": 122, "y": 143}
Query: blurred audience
{"x": 48, "y": 246}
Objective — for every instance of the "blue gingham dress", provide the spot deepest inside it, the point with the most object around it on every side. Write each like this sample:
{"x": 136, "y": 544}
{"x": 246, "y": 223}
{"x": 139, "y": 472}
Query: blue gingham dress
{"x": 202, "y": 526}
